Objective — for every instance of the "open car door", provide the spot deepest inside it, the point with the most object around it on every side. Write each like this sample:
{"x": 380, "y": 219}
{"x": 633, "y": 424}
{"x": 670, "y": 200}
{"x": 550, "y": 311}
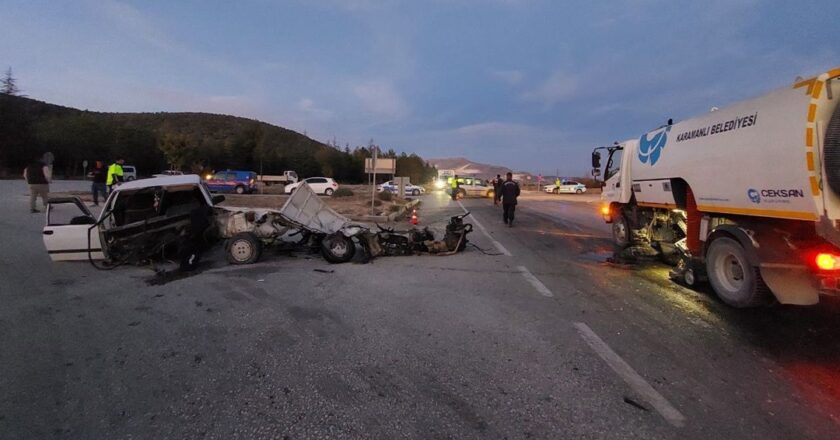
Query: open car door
{"x": 66, "y": 231}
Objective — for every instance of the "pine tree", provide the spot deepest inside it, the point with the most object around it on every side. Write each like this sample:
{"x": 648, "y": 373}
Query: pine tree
{"x": 8, "y": 85}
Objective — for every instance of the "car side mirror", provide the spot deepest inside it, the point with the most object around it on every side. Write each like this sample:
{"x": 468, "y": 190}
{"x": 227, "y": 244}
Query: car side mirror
{"x": 596, "y": 160}
{"x": 218, "y": 198}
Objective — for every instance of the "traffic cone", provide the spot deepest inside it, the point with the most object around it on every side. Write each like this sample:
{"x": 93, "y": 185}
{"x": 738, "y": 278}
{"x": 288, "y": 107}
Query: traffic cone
{"x": 414, "y": 217}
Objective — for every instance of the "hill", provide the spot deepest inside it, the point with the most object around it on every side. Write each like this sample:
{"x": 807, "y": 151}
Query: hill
{"x": 157, "y": 141}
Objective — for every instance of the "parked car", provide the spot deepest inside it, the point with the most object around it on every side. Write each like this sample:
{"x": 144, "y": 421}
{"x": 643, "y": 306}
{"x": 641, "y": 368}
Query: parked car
{"x": 474, "y": 187}
{"x": 129, "y": 173}
{"x": 321, "y": 185}
{"x": 410, "y": 189}
{"x": 566, "y": 186}
{"x": 233, "y": 181}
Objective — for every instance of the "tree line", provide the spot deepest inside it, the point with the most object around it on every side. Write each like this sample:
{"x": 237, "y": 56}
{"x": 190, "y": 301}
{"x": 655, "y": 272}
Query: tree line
{"x": 190, "y": 142}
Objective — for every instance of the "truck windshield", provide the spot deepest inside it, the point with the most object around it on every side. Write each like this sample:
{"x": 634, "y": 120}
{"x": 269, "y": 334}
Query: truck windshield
{"x": 613, "y": 164}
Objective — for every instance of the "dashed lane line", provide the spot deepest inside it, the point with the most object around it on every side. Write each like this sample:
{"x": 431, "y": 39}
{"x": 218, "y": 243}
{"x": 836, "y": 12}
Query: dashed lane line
{"x": 498, "y": 245}
{"x": 630, "y": 376}
{"x": 535, "y": 282}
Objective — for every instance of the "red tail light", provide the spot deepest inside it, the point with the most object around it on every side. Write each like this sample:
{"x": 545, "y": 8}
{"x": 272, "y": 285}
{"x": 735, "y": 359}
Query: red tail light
{"x": 826, "y": 261}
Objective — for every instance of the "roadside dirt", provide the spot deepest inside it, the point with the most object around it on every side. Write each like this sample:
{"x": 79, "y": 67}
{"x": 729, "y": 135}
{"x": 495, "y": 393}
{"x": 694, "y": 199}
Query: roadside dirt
{"x": 357, "y": 205}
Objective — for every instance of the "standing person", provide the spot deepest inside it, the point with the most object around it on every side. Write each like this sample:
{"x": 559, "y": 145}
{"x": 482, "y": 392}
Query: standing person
{"x": 100, "y": 176}
{"x": 37, "y": 176}
{"x": 509, "y": 194}
{"x": 497, "y": 187}
{"x": 115, "y": 174}
{"x": 557, "y": 184}
{"x": 455, "y": 187}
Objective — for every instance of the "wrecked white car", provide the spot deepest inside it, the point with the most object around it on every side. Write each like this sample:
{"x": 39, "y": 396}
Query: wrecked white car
{"x": 168, "y": 217}
{"x": 176, "y": 218}
{"x": 306, "y": 221}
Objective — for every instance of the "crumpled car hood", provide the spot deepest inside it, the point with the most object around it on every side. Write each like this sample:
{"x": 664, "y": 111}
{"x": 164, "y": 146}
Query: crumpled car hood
{"x": 303, "y": 210}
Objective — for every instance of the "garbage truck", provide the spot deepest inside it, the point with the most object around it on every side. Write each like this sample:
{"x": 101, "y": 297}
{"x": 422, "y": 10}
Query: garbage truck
{"x": 746, "y": 197}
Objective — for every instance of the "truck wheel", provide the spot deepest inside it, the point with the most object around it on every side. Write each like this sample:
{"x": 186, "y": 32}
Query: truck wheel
{"x": 735, "y": 280}
{"x": 336, "y": 248}
{"x": 240, "y": 189}
{"x": 328, "y": 192}
{"x": 620, "y": 231}
{"x": 243, "y": 248}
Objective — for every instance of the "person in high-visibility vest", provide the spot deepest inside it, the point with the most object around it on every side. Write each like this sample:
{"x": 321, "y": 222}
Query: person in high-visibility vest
{"x": 455, "y": 186}
{"x": 115, "y": 174}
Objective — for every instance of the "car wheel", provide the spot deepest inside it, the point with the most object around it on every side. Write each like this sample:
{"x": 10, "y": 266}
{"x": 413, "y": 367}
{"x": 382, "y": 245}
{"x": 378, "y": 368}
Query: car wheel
{"x": 621, "y": 232}
{"x": 240, "y": 189}
{"x": 328, "y": 192}
{"x": 555, "y": 191}
{"x": 336, "y": 248}
{"x": 578, "y": 191}
{"x": 415, "y": 193}
{"x": 734, "y": 279}
{"x": 130, "y": 178}
{"x": 243, "y": 248}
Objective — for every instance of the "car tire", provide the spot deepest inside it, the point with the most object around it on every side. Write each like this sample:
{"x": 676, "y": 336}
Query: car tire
{"x": 328, "y": 192}
{"x": 415, "y": 193}
{"x": 735, "y": 281}
{"x": 620, "y": 232}
{"x": 336, "y": 248}
{"x": 129, "y": 179}
{"x": 578, "y": 191}
{"x": 555, "y": 191}
{"x": 243, "y": 248}
{"x": 239, "y": 189}
{"x": 462, "y": 194}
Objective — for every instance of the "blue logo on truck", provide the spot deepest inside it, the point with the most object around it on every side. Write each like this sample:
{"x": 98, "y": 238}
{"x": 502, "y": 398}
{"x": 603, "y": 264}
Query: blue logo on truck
{"x": 754, "y": 195}
{"x": 650, "y": 149}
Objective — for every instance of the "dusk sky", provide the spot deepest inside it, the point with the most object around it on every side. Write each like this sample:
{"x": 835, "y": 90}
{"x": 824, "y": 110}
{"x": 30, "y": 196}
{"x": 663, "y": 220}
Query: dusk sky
{"x": 528, "y": 84}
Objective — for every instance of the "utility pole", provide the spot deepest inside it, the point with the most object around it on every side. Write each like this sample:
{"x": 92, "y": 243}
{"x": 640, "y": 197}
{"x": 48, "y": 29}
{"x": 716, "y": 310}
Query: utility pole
{"x": 373, "y": 184}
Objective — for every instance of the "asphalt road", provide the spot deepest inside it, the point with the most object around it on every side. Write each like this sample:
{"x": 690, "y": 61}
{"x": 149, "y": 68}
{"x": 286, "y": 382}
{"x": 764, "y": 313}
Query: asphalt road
{"x": 530, "y": 334}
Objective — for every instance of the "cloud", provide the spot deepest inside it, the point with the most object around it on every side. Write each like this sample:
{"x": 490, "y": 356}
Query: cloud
{"x": 307, "y": 106}
{"x": 512, "y": 77}
{"x": 381, "y": 98}
{"x": 558, "y": 87}
{"x": 133, "y": 22}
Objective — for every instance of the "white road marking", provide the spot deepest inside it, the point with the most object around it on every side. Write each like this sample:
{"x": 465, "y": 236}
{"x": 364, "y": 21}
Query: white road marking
{"x": 629, "y": 375}
{"x": 498, "y": 245}
{"x": 535, "y": 281}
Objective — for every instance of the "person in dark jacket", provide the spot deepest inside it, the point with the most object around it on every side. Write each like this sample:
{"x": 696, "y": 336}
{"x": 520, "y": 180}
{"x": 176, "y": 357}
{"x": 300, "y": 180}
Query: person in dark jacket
{"x": 100, "y": 175}
{"x": 497, "y": 186}
{"x": 508, "y": 195}
{"x": 37, "y": 176}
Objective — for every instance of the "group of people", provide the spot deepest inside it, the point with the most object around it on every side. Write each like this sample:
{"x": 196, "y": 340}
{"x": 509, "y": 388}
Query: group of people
{"x": 38, "y": 176}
